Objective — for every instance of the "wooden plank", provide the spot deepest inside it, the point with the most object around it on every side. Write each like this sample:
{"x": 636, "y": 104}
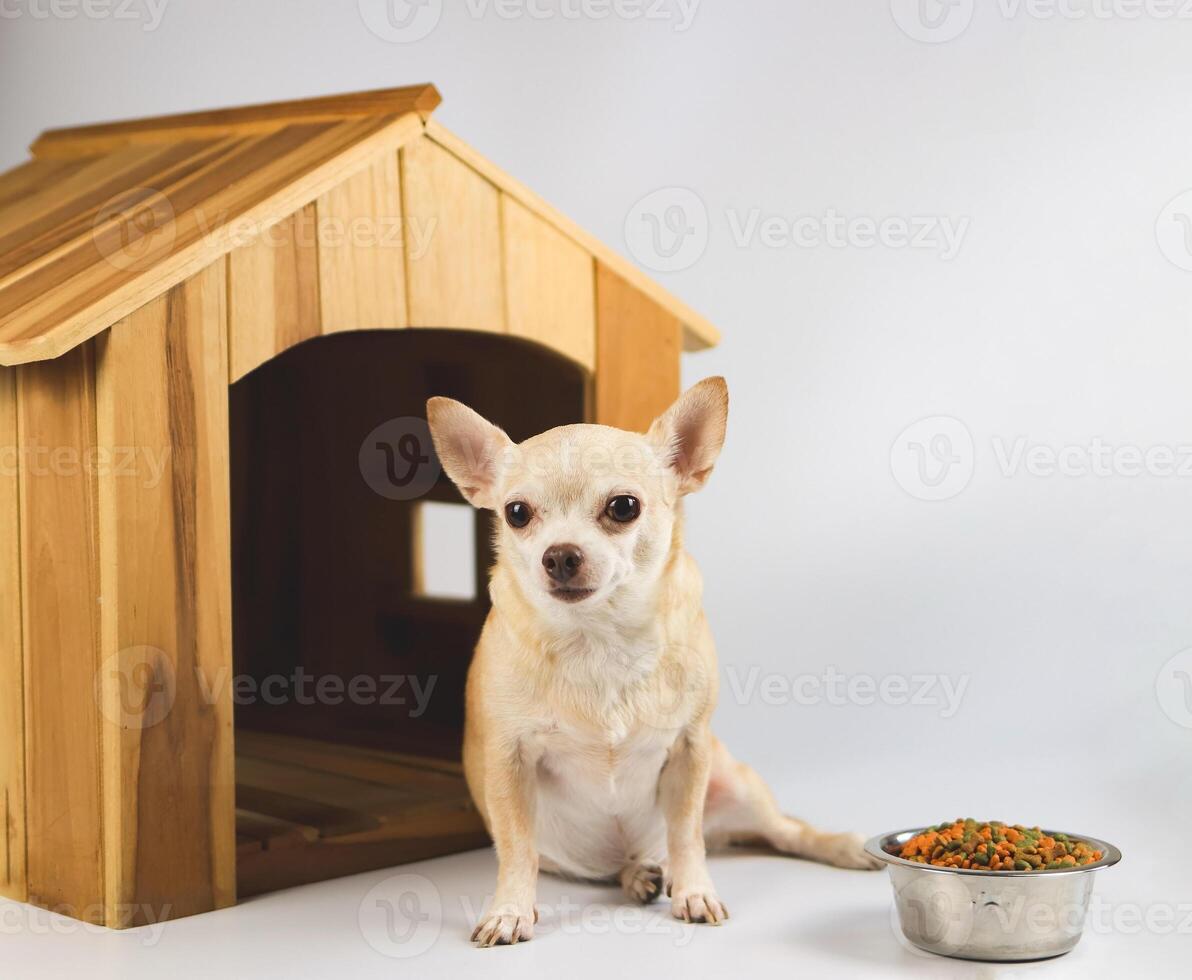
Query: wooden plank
{"x": 370, "y": 802}
{"x": 104, "y": 137}
{"x": 32, "y": 178}
{"x": 85, "y": 285}
{"x": 698, "y": 332}
{"x": 145, "y": 196}
{"x": 272, "y": 833}
{"x": 637, "y": 354}
{"x": 364, "y": 817}
{"x": 453, "y": 242}
{"x": 12, "y": 684}
{"x": 45, "y": 224}
{"x": 60, "y": 621}
{"x": 273, "y": 292}
{"x": 361, "y": 262}
{"x": 373, "y": 765}
{"x": 445, "y": 830}
{"x": 549, "y": 285}
{"x": 328, "y": 819}
{"x": 332, "y": 789}
{"x": 165, "y": 543}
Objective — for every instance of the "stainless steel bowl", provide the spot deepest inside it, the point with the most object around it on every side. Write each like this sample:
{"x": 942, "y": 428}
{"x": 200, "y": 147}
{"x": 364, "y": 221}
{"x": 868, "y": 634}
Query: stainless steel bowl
{"x": 990, "y": 915}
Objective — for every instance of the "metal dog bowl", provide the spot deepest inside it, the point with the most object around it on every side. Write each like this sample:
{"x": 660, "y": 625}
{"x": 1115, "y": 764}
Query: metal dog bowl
{"x": 990, "y": 915}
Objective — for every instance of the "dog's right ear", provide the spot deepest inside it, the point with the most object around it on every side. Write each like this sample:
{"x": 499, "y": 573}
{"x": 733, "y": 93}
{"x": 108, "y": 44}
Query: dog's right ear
{"x": 470, "y": 448}
{"x": 691, "y": 432}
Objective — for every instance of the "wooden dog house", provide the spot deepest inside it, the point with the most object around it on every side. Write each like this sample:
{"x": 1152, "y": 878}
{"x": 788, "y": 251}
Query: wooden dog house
{"x": 203, "y": 321}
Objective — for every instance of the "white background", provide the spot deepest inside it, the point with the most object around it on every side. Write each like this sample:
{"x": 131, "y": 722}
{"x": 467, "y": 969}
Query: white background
{"x": 1056, "y": 143}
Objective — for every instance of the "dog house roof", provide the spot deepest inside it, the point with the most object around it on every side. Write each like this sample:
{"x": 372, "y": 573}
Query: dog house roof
{"x": 104, "y": 218}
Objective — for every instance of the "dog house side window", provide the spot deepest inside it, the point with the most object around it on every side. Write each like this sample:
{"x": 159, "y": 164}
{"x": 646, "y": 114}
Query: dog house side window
{"x": 444, "y": 551}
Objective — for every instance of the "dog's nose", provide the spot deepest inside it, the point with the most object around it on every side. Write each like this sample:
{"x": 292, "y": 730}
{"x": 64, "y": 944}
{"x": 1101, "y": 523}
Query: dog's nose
{"x": 562, "y": 561}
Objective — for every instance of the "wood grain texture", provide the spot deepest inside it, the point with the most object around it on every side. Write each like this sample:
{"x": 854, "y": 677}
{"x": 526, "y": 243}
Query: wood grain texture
{"x": 270, "y": 832}
{"x": 361, "y": 258}
{"x": 31, "y": 177}
{"x": 166, "y": 637}
{"x": 60, "y": 617}
{"x": 104, "y": 137}
{"x": 39, "y": 226}
{"x": 130, "y": 210}
{"x": 698, "y": 331}
{"x": 549, "y": 285}
{"x": 273, "y": 290}
{"x": 638, "y": 344}
{"x": 313, "y": 810}
{"x": 150, "y": 235}
{"x": 12, "y": 670}
{"x": 453, "y": 242}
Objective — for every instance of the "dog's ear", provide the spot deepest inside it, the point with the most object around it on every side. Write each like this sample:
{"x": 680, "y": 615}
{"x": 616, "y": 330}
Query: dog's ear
{"x": 470, "y": 448}
{"x": 691, "y": 432}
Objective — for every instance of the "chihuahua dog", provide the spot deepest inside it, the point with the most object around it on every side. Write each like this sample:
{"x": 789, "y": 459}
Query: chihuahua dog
{"x": 587, "y": 744}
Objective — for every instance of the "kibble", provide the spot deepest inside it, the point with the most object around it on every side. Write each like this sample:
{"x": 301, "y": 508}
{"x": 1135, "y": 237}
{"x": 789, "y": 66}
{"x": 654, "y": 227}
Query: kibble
{"x": 995, "y": 846}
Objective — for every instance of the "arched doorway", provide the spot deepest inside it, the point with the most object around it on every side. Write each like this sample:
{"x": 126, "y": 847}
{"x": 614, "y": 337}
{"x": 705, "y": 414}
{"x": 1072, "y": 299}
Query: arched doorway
{"x": 349, "y": 668}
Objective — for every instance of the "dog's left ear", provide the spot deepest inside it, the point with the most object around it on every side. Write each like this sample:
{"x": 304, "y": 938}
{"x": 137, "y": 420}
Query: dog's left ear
{"x": 470, "y": 448}
{"x": 691, "y": 432}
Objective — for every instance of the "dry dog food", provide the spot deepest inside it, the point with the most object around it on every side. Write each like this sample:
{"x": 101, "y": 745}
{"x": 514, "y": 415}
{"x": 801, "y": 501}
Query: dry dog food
{"x": 996, "y": 846}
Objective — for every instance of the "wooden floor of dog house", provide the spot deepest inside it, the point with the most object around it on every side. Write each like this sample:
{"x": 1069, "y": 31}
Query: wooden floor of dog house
{"x": 309, "y": 810}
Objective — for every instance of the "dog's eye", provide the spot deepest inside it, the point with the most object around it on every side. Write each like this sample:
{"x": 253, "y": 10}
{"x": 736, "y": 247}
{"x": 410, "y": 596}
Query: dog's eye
{"x": 518, "y": 514}
{"x": 623, "y": 509}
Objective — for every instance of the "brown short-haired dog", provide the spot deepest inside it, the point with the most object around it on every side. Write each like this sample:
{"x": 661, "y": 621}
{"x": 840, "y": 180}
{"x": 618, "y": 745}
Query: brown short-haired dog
{"x": 587, "y": 744}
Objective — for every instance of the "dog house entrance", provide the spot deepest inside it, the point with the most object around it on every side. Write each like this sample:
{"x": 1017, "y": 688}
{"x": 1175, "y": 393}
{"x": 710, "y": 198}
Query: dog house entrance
{"x": 359, "y": 589}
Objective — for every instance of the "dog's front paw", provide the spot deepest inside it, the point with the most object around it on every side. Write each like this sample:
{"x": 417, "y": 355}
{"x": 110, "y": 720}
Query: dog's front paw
{"x": 505, "y": 926}
{"x": 697, "y": 905}
{"x": 846, "y": 851}
{"x": 642, "y": 882}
